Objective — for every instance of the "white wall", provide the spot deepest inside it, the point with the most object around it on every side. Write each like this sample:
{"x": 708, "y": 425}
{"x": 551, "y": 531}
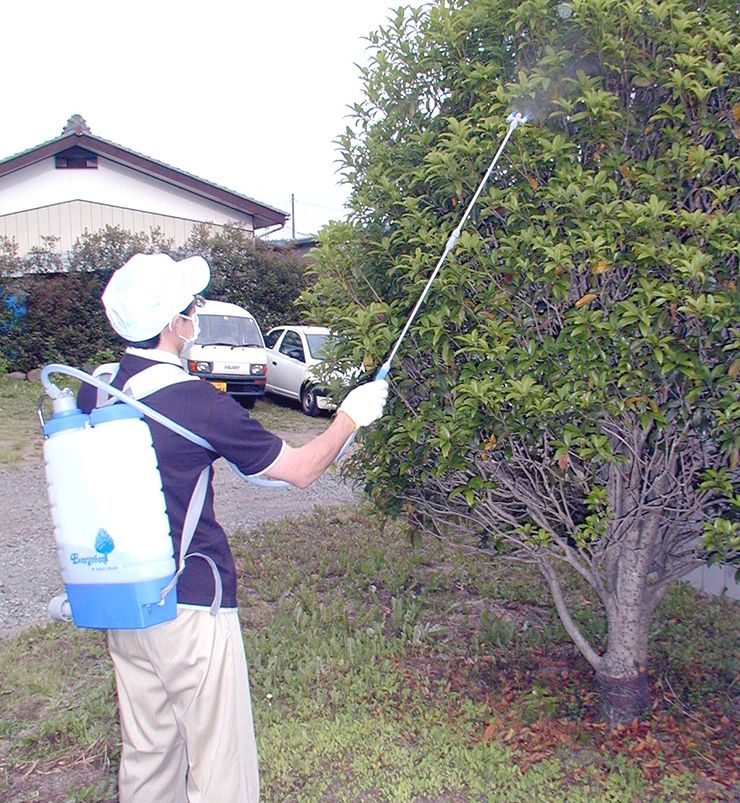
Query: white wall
{"x": 715, "y": 580}
{"x": 112, "y": 184}
{"x": 68, "y": 221}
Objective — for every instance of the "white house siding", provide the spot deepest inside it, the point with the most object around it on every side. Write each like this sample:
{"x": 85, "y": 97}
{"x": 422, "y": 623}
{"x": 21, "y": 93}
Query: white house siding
{"x": 69, "y": 220}
{"x": 41, "y": 199}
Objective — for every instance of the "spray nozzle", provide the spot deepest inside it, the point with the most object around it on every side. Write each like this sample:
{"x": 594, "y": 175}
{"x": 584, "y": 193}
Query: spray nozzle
{"x": 516, "y": 119}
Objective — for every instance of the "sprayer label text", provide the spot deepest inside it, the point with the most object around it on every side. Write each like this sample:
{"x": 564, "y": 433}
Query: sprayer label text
{"x": 76, "y": 559}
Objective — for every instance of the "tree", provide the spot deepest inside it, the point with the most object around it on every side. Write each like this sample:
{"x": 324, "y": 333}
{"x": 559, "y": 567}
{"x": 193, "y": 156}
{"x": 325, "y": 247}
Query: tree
{"x": 568, "y": 396}
{"x": 249, "y": 272}
{"x": 63, "y": 319}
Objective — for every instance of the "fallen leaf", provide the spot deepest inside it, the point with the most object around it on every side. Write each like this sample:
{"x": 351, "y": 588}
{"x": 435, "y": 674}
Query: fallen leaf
{"x": 563, "y": 461}
{"x": 533, "y": 183}
{"x": 626, "y": 172}
{"x": 489, "y": 443}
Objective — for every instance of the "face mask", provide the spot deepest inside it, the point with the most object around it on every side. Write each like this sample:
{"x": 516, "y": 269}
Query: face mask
{"x": 188, "y": 341}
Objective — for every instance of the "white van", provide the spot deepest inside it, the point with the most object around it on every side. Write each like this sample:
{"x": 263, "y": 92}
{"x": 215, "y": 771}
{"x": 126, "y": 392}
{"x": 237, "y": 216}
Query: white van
{"x": 229, "y": 352}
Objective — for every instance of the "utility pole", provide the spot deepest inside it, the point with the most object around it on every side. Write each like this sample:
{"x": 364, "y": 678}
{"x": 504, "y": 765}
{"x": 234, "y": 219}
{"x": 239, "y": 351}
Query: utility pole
{"x": 292, "y": 213}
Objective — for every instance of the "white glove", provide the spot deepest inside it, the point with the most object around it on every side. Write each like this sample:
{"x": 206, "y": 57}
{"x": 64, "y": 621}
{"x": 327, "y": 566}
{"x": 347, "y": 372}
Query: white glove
{"x": 365, "y": 404}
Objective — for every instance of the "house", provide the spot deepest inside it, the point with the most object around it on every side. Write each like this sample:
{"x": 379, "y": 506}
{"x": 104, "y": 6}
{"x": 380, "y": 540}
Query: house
{"x": 301, "y": 246}
{"x": 79, "y": 182}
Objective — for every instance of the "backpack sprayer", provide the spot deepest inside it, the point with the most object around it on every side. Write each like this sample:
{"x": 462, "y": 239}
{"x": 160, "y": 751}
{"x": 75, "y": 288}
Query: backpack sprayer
{"x": 110, "y": 522}
{"x": 105, "y": 492}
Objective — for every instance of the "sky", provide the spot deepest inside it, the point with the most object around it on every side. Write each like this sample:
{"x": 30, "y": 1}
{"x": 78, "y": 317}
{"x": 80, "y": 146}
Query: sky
{"x": 250, "y": 95}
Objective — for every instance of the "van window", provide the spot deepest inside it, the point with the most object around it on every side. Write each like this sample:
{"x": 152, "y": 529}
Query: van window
{"x": 228, "y": 330}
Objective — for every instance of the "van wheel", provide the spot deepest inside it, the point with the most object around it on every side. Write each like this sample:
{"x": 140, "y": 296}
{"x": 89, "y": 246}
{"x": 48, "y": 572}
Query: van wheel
{"x": 308, "y": 401}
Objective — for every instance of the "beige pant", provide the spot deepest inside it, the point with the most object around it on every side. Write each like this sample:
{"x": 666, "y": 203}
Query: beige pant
{"x": 186, "y": 713}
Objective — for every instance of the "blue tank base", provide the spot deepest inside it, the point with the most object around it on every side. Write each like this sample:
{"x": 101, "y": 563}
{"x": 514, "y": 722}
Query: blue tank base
{"x": 121, "y": 606}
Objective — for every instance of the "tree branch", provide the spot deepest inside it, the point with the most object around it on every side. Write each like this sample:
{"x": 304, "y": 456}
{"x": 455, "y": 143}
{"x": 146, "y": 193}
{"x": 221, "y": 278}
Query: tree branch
{"x": 588, "y": 652}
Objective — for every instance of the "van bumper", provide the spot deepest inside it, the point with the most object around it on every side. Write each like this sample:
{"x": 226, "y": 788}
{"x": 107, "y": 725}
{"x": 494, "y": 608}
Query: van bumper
{"x": 238, "y": 385}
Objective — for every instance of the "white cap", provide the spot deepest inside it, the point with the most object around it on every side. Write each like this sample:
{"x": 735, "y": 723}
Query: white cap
{"x": 146, "y": 293}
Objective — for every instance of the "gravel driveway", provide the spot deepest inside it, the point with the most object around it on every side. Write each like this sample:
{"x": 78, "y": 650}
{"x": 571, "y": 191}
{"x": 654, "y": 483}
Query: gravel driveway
{"x": 29, "y": 573}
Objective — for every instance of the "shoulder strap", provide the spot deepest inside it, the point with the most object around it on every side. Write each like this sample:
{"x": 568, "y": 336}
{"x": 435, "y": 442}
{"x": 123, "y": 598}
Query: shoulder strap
{"x": 107, "y": 373}
{"x": 192, "y": 517}
{"x": 155, "y": 378}
{"x": 139, "y": 386}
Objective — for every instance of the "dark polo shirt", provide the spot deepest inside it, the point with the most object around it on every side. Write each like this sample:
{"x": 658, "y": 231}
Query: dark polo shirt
{"x": 220, "y": 420}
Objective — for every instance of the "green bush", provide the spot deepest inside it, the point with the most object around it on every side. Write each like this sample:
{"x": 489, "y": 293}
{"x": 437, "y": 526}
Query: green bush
{"x": 65, "y": 321}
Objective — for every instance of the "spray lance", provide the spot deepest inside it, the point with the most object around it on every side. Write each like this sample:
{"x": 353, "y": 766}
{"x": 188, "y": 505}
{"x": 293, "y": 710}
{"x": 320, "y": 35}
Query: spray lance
{"x": 515, "y": 119}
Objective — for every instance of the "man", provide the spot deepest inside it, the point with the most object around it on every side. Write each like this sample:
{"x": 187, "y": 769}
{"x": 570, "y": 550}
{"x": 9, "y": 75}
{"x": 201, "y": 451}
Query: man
{"x": 183, "y": 689}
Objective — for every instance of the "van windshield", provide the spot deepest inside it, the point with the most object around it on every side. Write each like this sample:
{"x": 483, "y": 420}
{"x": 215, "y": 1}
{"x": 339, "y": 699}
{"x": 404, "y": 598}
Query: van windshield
{"x": 228, "y": 330}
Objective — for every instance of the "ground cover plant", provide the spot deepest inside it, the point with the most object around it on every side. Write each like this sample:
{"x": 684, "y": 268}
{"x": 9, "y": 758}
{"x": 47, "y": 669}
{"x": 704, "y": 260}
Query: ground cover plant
{"x": 387, "y": 672}
{"x": 568, "y": 396}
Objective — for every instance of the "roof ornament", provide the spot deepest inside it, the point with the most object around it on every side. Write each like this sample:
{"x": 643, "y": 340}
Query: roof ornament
{"x": 76, "y": 125}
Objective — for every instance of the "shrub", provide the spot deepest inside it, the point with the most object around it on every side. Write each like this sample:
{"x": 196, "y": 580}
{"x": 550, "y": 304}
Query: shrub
{"x": 62, "y": 319}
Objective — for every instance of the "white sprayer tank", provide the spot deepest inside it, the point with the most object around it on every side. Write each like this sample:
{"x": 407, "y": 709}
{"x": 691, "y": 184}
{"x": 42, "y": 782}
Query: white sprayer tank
{"x": 110, "y": 522}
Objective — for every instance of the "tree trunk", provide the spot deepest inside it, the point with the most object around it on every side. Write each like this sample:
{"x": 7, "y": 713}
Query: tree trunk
{"x": 621, "y": 675}
{"x": 623, "y": 699}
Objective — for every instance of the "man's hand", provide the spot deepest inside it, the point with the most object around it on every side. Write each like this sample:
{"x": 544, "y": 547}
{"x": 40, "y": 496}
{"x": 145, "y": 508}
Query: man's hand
{"x": 301, "y": 466}
{"x": 365, "y": 404}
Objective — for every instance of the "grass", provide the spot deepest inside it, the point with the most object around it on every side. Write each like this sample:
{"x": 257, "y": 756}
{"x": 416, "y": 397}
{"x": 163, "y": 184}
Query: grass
{"x": 20, "y": 429}
{"x": 284, "y": 417}
{"x": 385, "y": 672}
